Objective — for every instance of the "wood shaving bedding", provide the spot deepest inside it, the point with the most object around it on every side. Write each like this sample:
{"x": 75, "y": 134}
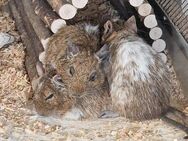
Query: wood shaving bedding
{"x": 17, "y": 123}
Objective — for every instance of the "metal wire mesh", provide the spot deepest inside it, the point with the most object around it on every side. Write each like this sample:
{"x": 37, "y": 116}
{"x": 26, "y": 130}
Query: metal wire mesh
{"x": 177, "y": 12}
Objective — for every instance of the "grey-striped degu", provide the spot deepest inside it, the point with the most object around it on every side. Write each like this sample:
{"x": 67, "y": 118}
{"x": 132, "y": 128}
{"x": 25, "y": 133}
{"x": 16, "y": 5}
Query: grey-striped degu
{"x": 138, "y": 78}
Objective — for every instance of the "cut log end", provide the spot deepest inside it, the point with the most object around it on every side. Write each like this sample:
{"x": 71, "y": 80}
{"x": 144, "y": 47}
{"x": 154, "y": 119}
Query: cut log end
{"x": 136, "y": 3}
{"x": 45, "y": 12}
{"x": 150, "y": 21}
{"x": 79, "y": 3}
{"x": 67, "y": 11}
{"x": 144, "y": 9}
{"x": 45, "y": 43}
{"x": 163, "y": 57}
{"x": 159, "y": 45}
{"x": 42, "y": 57}
{"x": 57, "y": 24}
{"x": 155, "y": 33}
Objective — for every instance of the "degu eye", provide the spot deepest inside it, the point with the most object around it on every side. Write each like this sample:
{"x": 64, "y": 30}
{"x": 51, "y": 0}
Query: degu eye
{"x": 49, "y": 97}
{"x": 71, "y": 70}
{"x": 93, "y": 76}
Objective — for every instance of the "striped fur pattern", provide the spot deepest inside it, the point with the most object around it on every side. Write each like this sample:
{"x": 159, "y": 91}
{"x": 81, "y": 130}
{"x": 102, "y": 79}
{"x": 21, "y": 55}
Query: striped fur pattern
{"x": 138, "y": 78}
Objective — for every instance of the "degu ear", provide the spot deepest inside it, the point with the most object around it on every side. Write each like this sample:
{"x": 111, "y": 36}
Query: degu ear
{"x": 103, "y": 53}
{"x": 130, "y": 24}
{"x": 108, "y": 29}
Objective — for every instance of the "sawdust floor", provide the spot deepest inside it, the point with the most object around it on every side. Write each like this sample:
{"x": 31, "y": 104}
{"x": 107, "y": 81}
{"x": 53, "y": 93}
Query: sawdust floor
{"x": 17, "y": 123}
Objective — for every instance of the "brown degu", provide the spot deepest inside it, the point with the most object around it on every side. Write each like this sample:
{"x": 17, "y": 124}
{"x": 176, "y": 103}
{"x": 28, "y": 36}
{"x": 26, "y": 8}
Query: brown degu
{"x": 69, "y": 41}
{"x": 71, "y": 53}
{"x": 53, "y": 96}
{"x": 138, "y": 78}
{"x": 73, "y": 81}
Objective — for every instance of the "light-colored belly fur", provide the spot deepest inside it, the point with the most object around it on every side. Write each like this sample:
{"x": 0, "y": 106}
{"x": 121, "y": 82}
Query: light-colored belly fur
{"x": 140, "y": 85}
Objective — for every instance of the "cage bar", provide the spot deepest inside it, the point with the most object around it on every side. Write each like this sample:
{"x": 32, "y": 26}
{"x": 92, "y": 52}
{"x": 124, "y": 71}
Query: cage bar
{"x": 177, "y": 11}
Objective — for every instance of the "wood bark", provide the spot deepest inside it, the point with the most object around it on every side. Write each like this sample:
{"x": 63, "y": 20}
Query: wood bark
{"x": 47, "y": 15}
{"x": 28, "y": 36}
{"x": 64, "y": 8}
{"x": 39, "y": 27}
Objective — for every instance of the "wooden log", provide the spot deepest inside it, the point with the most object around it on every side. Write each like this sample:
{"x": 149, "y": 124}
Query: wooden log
{"x": 144, "y": 9}
{"x": 45, "y": 43}
{"x": 150, "y": 21}
{"x": 136, "y": 3}
{"x": 57, "y": 24}
{"x": 159, "y": 45}
{"x": 79, "y": 3}
{"x": 42, "y": 32}
{"x": 128, "y": 11}
{"x": 64, "y": 8}
{"x": 146, "y": 13}
{"x": 28, "y": 36}
{"x": 155, "y": 33}
{"x": 163, "y": 57}
{"x": 95, "y": 12}
{"x": 47, "y": 15}
{"x": 42, "y": 57}
{"x": 67, "y": 11}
